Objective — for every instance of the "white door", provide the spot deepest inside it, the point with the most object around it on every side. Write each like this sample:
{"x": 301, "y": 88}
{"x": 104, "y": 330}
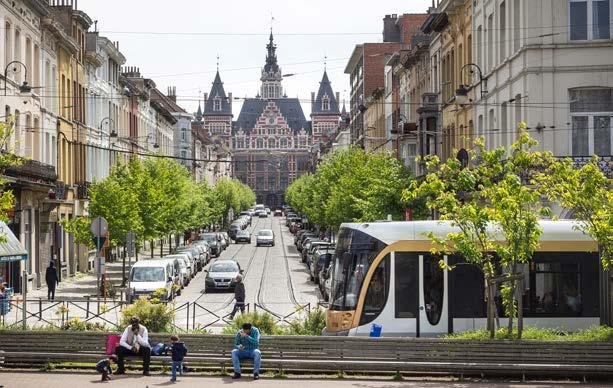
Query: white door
{"x": 433, "y": 297}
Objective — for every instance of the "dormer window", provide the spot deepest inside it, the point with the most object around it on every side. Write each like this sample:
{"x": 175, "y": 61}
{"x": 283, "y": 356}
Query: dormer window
{"x": 325, "y": 103}
{"x": 217, "y": 104}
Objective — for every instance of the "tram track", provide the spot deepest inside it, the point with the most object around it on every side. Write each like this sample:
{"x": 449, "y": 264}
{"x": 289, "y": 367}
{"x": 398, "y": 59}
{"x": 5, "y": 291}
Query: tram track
{"x": 290, "y": 281}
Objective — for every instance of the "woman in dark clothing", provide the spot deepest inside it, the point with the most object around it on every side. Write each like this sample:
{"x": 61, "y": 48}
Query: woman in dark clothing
{"x": 52, "y": 280}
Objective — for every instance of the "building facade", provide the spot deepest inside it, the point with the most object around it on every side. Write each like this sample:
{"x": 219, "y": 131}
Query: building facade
{"x": 271, "y": 141}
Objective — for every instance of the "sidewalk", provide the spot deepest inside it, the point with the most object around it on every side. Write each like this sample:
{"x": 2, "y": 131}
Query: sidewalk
{"x": 52, "y": 380}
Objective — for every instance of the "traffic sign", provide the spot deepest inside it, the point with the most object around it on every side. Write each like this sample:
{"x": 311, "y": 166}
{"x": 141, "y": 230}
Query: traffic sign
{"x": 99, "y": 242}
{"x": 99, "y": 227}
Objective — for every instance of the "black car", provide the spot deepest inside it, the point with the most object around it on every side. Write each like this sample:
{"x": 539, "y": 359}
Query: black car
{"x": 232, "y": 231}
{"x": 213, "y": 240}
{"x": 243, "y": 236}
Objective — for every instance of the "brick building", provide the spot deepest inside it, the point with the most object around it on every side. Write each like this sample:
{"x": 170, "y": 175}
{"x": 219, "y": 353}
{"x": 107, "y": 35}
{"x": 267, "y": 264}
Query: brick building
{"x": 271, "y": 140}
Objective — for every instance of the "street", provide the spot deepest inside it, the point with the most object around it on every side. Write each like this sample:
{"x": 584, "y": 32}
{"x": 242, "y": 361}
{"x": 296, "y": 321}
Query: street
{"x": 34, "y": 380}
{"x": 275, "y": 280}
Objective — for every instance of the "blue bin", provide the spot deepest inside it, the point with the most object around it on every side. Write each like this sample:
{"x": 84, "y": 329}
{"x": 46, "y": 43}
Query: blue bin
{"x": 375, "y": 330}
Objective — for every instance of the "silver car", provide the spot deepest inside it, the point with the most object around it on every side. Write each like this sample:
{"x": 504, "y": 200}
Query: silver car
{"x": 265, "y": 237}
{"x": 222, "y": 275}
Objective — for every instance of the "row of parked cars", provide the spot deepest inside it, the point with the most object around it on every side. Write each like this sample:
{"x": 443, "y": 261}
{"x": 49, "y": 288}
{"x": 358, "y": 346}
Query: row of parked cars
{"x": 315, "y": 250}
{"x": 174, "y": 272}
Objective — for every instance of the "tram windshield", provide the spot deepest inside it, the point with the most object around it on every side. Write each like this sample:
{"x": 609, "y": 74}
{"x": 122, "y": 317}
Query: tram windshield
{"x": 355, "y": 251}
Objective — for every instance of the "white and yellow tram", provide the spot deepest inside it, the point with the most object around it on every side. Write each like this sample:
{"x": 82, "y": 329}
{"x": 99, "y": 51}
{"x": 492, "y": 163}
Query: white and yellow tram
{"x": 383, "y": 273}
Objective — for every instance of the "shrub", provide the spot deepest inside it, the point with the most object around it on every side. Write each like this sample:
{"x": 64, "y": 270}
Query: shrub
{"x": 263, "y": 321}
{"x": 595, "y": 333}
{"x": 77, "y": 324}
{"x": 312, "y": 324}
{"x": 157, "y": 317}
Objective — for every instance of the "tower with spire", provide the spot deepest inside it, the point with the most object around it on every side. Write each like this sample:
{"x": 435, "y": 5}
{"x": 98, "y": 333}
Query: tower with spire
{"x": 271, "y": 73}
{"x": 217, "y": 115}
{"x": 325, "y": 113}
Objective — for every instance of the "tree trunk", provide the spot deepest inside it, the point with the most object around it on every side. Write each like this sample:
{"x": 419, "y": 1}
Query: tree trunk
{"x": 511, "y": 312}
{"x": 161, "y": 247}
{"x": 151, "y": 244}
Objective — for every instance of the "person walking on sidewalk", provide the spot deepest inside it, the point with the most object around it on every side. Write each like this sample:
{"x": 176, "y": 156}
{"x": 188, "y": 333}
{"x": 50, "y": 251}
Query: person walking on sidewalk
{"x": 239, "y": 296}
{"x": 52, "y": 280}
{"x": 247, "y": 346}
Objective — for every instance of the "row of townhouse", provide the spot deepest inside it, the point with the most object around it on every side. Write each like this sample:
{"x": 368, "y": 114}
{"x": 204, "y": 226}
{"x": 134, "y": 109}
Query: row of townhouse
{"x": 470, "y": 68}
{"x": 76, "y": 109}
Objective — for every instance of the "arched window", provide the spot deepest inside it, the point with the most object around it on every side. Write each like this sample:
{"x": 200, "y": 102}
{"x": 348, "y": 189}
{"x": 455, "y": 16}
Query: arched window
{"x": 325, "y": 103}
{"x": 260, "y": 143}
{"x": 272, "y": 143}
{"x": 283, "y": 143}
{"x": 217, "y": 104}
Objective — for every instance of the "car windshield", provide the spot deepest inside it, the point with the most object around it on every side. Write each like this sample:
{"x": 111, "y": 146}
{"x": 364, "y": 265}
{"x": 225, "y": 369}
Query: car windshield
{"x": 148, "y": 274}
{"x": 265, "y": 233}
{"x": 208, "y": 238}
{"x": 243, "y": 233}
{"x": 224, "y": 267}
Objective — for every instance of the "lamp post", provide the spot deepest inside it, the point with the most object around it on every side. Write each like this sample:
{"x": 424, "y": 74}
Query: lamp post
{"x": 461, "y": 94}
{"x": 24, "y": 87}
{"x": 112, "y": 134}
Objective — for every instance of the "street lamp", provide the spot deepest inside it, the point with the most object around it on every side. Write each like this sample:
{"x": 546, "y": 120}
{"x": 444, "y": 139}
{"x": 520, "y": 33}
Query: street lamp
{"x": 24, "y": 88}
{"x": 461, "y": 94}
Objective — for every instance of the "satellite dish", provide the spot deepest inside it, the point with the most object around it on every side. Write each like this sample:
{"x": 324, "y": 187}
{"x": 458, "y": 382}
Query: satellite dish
{"x": 463, "y": 157}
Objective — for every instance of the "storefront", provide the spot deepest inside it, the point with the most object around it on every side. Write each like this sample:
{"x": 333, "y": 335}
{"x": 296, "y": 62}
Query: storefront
{"x": 12, "y": 254}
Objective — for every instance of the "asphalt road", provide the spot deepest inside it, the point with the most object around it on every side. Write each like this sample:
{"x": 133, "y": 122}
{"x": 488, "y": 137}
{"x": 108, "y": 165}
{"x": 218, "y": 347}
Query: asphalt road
{"x": 275, "y": 281}
{"x": 47, "y": 380}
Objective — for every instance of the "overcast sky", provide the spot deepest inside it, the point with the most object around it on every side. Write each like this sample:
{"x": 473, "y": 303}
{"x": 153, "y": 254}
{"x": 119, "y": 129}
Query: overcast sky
{"x": 176, "y": 43}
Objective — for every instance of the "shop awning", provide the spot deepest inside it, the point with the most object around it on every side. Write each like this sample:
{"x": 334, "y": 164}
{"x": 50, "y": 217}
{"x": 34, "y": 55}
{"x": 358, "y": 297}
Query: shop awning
{"x": 10, "y": 247}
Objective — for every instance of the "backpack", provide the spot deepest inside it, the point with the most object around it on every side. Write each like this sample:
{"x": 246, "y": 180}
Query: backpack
{"x": 158, "y": 349}
{"x": 111, "y": 344}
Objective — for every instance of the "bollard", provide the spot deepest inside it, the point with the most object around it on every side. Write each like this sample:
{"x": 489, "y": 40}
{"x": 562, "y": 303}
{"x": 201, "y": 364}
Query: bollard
{"x": 87, "y": 307}
{"x": 40, "y": 309}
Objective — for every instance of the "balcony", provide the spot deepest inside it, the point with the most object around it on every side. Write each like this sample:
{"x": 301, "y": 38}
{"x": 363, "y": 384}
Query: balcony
{"x": 605, "y": 163}
{"x": 83, "y": 190}
{"x": 33, "y": 172}
{"x": 59, "y": 192}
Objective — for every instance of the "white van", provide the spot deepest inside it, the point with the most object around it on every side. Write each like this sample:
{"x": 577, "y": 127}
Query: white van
{"x": 148, "y": 276}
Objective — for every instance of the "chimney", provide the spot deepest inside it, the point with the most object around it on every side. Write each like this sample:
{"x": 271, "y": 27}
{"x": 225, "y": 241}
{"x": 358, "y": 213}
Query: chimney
{"x": 312, "y": 100}
{"x": 338, "y": 97}
{"x": 391, "y": 31}
{"x": 172, "y": 93}
{"x": 230, "y": 101}
{"x": 206, "y": 97}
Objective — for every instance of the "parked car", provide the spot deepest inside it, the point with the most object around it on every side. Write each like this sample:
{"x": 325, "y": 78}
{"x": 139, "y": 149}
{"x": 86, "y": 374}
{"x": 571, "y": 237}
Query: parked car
{"x": 148, "y": 276}
{"x": 299, "y": 235}
{"x": 189, "y": 261}
{"x": 197, "y": 254}
{"x": 213, "y": 241}
{"x": 314, "y": 246}
{"x": 226, "y": 237}
{"x": 267, "y": 210}
{"x": 235, "y": 227}
{"x": 325, "y": 282}
{"x": 222, "y": 275}
{"x": 278, "y": 213}
{"x": 222, "y": 240}
{"x": 303, "y": 239}
{"x": 265, "y": 237}
{"x": 184, "y": 268}
{"x": 206, "y": 248}
{"x": 262, "y": 214}
{"x": 243, "y": 236}
{"x": 295, "y": 227}
{"x": 321, "y": 259}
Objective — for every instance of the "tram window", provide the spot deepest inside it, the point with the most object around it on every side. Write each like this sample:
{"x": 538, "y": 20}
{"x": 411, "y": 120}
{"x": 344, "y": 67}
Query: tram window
{"x": 467, "y": 288}
{"x": 376, "y": 295}
{"x": 406, "y": 270}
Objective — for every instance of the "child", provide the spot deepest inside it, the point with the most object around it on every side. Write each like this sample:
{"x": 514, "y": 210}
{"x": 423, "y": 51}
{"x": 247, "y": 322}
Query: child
{"x": 178, "y": 351}
{"x": 104, "y": 366}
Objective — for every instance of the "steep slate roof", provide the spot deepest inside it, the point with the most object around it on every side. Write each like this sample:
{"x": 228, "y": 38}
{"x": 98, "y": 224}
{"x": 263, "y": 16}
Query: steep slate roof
{"x": 325, "y": 88}
{"x": 217, "y": 90}
{"x": 271, "y": 58}
{"x": 290, "y": 109}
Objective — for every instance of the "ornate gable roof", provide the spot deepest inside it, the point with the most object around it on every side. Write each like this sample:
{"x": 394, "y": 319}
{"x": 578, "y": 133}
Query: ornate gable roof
{"x": 325, "y": 91}
{"x": 217, "y": 93}
{"x": 289, "y": 108}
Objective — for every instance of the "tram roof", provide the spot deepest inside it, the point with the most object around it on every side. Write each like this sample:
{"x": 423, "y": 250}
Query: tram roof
{"x": 390, "y": 232}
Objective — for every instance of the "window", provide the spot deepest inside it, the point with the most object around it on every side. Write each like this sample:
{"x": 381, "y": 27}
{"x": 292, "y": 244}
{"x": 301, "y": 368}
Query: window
{"x": 502, "y": 27}
{"x": 516, "y": 25}
{"x": 325, "y": 103}
{"x": 504, "y": 126}
{"x": 591, "y": 113}
{"x": 479, "y": 46}
{"x": 184, "y": 134}
{"x": 272, "y": 143}
{"x": 8, "y": 55}
{"x": 518, "y": 118}
{"x": 491, "y": 129}
{"x": 378, "y": 290}
{"x": 590, "y": 19}
{"x": 490, "y": 43}
{"x": 260, "y": 143}
{"x": 283, "y": 143}
{"x": 434, "y": 289}
{"x": 406, "y": 270}
{"x": 217, "y": 104}
{"x": 480, "y": 126}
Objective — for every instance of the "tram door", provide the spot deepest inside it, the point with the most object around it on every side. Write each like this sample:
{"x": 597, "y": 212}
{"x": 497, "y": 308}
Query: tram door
{"x": 433, "y": 297}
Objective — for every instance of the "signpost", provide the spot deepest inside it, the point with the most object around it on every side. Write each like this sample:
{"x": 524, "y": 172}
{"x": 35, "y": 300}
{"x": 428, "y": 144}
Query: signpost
{"x": 100, "y": 230}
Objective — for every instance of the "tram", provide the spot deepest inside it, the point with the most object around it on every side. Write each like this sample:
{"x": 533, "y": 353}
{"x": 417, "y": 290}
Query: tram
{"x": 383, "y": 273}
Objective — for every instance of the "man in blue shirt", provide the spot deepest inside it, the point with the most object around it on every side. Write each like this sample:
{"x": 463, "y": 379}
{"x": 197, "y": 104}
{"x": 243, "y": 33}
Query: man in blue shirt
{"x": 246, "y": 346}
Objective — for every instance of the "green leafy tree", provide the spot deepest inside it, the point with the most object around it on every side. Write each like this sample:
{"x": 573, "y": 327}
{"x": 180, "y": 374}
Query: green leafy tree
{"x": 588, "y": 193}
{"x": 7, "y": 159}
{"x": 496, "y": 196}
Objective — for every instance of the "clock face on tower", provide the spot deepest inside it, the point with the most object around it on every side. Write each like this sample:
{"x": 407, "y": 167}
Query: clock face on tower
{"x": 271, "y": 120}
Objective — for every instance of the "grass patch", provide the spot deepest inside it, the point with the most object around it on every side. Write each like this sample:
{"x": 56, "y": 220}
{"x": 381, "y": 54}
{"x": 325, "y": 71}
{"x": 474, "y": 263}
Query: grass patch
{"x": 592, "y": 334}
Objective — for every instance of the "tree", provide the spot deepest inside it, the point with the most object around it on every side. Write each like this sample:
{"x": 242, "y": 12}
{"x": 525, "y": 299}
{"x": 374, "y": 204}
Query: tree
{"x": 588, "y": 193}
{"x": 7, "y": 159}
{"x": 497, "y": 196}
